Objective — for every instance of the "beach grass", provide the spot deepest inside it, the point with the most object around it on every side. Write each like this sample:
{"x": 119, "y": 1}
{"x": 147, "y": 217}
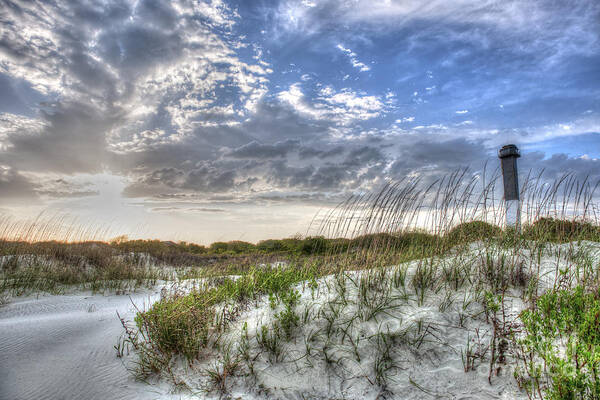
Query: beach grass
{"x": 391, "y": 276}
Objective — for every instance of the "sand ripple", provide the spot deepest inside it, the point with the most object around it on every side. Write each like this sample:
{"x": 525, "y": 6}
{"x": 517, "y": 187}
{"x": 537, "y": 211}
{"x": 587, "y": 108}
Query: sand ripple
{"x": 61, "y": 347}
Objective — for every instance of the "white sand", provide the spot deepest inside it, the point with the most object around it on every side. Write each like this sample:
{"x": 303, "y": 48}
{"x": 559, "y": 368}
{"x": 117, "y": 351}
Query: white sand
{"x": 432, "y": 370}
{"x": 61, "y": 347}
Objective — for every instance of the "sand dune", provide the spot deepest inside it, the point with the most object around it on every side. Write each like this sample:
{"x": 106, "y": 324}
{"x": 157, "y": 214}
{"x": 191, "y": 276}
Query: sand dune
{"x": 61, "y": 347}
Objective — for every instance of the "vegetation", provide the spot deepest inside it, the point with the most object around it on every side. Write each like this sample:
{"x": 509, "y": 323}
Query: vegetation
{"x": 563, "y": 343}
{"x": 383, "y": 283}
{"x": 185, "y": 324}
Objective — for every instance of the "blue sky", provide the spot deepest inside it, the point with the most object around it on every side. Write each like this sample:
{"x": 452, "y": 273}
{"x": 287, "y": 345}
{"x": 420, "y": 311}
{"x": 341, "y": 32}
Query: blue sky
{"x": 187, "y": 113}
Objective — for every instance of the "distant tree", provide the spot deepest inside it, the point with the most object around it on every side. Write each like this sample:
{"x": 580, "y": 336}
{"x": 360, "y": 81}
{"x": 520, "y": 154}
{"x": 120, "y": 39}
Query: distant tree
{"x": 218, "y": 247}
{"x": 119, "y": 239}
{"x": 314, "y": 245}
{"x": 270, "y": 245}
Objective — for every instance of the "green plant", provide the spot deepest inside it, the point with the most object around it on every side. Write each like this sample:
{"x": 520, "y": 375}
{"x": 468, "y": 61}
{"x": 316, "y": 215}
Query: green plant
{"x": 424, "y": 279}
{"x": 219, "y": 372}
{"x": 269, "y": 339}
{"x": 475, "y": 350}
{"x": 288, "y": 318}
{"x": 561, "y": 347}
{"x": 384, "y": 364}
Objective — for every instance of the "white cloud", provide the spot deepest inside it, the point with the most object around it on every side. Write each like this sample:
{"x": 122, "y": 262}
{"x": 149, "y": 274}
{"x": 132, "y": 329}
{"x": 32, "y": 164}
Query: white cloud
{"x": 162, "y": 82}
{"x": 354, "y": 59}
{"x": 143, "y": 141}
{"x": 462, "y": 111}
{"x": 558, "y": 30}
{"x": 343, "y": 107}
{"x": 12, "y": 125}
{"x": 494, "y": 138}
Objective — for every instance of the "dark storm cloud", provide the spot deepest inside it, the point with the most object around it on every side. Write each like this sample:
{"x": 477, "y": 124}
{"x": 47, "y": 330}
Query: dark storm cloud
{"x": 205, "y": 177}
{"x": 210, "y": 178}
{"x": 274, "y": 121}
{"x": 361, "y": 165}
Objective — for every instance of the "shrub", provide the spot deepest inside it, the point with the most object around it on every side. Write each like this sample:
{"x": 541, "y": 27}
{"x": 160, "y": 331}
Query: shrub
{"x": 314, "y": 245}
{"x": 192, "y": 248}
{"x": 270, "y": 245}
{"x": 556, "y": 230}
{"x": 233, "y": 247}
{"x": 562, "y": 344}
{"x": 180, "y": 324}
{"x": 218, "y": 247}
{"x": 239, "y": 247}
{"x": 471, "y": 231}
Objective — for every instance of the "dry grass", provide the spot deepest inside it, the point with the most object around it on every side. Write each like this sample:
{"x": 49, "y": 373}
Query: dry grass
{"x": 433, "y": 224}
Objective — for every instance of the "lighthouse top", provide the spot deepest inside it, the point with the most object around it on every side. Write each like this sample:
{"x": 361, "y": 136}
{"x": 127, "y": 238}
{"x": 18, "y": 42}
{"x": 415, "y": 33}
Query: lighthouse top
{"x": 510, "y": 150}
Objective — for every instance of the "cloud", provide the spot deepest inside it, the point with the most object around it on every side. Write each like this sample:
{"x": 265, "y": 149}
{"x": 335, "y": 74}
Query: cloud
{"x": 67, "y": 138}
{"x": 258, "y": 150}
{"x": 15, "y": 189}
{"x": 122, "y": 78}
{"x": 341, "y": 107}
{"x": 207, "y": 210}
{"x": 558, "y": 29}
{"x": 555, "y": 166}
{"x": 362, "y": 67}
{"x": 63, "y": 189}
{"x": 205, "y": 177}
{"x": 187, "y": 102}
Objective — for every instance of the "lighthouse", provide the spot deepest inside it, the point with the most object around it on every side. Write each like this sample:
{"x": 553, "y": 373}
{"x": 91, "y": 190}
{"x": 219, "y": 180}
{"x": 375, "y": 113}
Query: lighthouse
{"x": 508, "y": 158}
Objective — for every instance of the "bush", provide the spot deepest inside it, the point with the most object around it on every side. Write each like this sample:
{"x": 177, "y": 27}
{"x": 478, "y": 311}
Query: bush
{"x": 179, "y": 325}
{"x": 192, "y": 248}
{"x": 556, "y": 230}
{"x": 218, "y": 247}
{"x": 240, "y": 247}
{"x": 270, "y": 246}
{"x": 314, "y": 245}
{"x": 471, "y": 231}
{"x": 233, "y": 247}
{"x": 562, "y": 344}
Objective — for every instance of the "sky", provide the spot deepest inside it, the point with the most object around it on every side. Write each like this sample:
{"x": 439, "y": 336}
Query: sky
{"x": 220, "y": 120}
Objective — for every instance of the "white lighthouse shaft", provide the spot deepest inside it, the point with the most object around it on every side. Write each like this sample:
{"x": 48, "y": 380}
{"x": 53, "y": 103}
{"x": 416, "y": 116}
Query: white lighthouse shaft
{"x": 513, "y": 214}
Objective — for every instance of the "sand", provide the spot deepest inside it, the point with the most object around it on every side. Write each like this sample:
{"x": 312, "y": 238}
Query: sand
{"x": 61, "y": 347}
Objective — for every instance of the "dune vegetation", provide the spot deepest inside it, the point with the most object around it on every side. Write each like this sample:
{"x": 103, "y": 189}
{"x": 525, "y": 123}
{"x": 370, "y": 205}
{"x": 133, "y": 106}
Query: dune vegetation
{"x": 413, "y": 289}
{"x": 397, "y": 308}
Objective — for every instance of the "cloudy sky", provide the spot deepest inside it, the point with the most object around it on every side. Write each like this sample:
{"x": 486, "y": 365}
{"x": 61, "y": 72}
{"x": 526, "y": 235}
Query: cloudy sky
{"x": 221, "y": 120}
